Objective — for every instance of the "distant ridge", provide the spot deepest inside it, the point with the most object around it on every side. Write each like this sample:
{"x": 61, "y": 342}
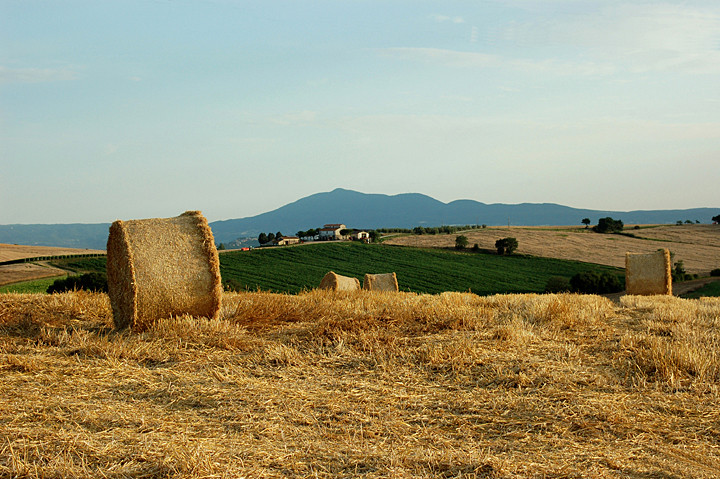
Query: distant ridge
{"x": 362, "y": 210}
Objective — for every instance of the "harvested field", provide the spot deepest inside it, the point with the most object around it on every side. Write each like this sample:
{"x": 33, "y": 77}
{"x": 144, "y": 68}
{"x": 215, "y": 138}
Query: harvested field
{"x": 13, "y": 273}
{"x": 698, "y": 246}
{"x": 358, "y": 384}
{"x": 9, "y": 252}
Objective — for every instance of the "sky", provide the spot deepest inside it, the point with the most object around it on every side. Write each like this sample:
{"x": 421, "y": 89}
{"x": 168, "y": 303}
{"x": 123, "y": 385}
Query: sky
{"x": 140, "y": 109}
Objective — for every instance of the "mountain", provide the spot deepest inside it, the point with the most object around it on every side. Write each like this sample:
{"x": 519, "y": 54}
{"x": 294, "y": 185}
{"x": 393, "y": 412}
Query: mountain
{"x": 360, "y": 210}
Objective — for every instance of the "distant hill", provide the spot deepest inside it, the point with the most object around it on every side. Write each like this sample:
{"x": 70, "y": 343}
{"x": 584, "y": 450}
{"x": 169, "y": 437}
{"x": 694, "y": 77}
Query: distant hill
{"x": 361, "y": 210}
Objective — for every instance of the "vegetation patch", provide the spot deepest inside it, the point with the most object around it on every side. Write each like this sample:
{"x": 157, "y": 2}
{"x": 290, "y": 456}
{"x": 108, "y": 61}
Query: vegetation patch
{"x": 418, "y": 270}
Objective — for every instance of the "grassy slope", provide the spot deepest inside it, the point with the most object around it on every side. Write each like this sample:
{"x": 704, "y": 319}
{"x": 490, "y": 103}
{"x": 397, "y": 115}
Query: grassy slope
{"x": 419, "y": 270}
{"x": 34, "y": 286}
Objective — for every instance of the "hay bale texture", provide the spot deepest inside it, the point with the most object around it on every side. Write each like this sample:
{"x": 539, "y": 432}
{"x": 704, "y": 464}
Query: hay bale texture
{"x": 381, "y": 282}
{"x": 336, "y": 282}
{"x": 162, "y": 267}
{"x": 648, "y": 273}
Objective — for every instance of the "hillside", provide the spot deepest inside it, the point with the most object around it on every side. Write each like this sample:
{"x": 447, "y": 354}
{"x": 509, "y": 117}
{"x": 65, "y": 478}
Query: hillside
{"x": 360, "y": 210}
{"x": 295, "y": 269}
{"x": 698, "y": 246}
{"x": 364, "y": 385}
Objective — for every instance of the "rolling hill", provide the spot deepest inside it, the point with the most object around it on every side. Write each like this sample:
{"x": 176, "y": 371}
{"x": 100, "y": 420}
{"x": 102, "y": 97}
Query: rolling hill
{"x": 361, "y": 210}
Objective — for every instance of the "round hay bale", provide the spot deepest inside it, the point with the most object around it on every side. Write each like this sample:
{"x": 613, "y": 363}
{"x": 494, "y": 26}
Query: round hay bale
{"x": 336, "y": 282}
{"x": 162, "y": 267}
{"x": 381, "y": 282}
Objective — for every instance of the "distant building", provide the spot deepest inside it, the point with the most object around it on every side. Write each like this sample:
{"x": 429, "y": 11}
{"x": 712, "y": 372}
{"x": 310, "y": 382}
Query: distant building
{"x": 286, "y": 240}
{"x": 331, "y": 231}
{"x": 361, "y": 236}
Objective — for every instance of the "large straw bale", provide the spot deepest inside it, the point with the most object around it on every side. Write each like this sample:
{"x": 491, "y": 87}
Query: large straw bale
{"x": 648, "y": 273}
{"x": 381, "y": 282}
{"x": 162, "y": 267}
{"x": 336, "y": 282}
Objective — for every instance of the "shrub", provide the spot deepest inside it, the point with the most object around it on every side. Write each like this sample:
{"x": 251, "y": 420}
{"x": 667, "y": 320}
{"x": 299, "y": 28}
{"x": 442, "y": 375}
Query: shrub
{"x": 591, "y": 282}
{"x": 608, "y": 225}
{"x": 679, "y": 273}
{"x": 715, "y": 272}
{"x": 461, "y": 242}
{"x": 89, "y": 282}
{"x": 557, "y": 284}
{"x": 506, "y": 246}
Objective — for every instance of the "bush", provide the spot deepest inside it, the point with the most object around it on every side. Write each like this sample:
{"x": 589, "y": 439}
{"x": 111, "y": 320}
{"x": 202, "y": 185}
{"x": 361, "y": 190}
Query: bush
{"x": 715, "y": 272}
{"x": 506, "y": 246}
{"x": 89, "y": 282}
{"x": 557, "y": 284}
{"x": 594, "y": 283}
{"x": 608, "y": 225}
{"x": 461, "y": 242}
{"x": 679, "y": 273}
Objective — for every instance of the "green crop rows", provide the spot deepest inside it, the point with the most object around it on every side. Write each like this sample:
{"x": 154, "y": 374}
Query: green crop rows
{"x": 294, "y": 269}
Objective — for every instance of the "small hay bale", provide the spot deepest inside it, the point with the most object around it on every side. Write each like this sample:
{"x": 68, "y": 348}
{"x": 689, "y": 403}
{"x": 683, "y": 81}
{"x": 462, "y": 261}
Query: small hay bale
{"x": 648, "y": 273}
{"x": 162, "y": 267}
{"x": 336, "y": 282}
{"x": 381, "y": 282}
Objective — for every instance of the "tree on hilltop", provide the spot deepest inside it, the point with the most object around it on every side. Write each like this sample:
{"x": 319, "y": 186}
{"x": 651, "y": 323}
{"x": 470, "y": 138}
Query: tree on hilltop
{"x": 586, "y": 222}
{"x": 608, "y": 225}
{"x": 461, "y": 242}
{"x": 506, "y": 246}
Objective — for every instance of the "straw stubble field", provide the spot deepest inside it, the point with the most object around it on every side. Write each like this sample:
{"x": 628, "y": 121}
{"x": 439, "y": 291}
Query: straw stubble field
{"x": 347, "y": 384}
{"x": 698, "y": 246}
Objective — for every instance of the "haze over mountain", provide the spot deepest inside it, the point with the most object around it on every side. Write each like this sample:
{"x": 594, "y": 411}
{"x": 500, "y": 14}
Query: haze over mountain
{"x": 367, "y": 211}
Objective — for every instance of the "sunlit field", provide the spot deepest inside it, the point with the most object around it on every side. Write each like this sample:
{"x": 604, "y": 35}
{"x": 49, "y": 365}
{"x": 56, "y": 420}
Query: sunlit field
{"x": 323, "y": 384}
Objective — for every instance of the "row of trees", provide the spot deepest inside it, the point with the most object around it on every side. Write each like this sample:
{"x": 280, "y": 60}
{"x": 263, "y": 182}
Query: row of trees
{"x": 269, "y": 237}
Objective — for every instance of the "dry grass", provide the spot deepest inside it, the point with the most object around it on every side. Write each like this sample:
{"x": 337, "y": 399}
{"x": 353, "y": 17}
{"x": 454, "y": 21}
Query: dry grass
{"x": 335, "y": 384}
{"x": 13, "y": 273}
{"x": 9, "y": 252}
{"x": 697, "y": 245}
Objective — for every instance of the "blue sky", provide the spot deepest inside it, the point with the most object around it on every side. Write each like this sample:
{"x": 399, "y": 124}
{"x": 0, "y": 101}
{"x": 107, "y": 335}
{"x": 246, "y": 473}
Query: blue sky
{"x": 136, "y": 109}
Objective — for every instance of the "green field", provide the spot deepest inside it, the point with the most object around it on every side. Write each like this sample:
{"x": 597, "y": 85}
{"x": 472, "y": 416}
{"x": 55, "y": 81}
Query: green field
{"x": 294, "y": 269}
{"x": 34, "y": 286}
{"x": 710, "y": 289}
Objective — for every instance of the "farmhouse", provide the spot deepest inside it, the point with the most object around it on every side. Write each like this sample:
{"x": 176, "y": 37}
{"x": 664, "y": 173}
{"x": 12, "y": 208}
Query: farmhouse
{"x": 331, "y": 231}
{"x": 286, "y": 240}
{"x": 361, "y": 236}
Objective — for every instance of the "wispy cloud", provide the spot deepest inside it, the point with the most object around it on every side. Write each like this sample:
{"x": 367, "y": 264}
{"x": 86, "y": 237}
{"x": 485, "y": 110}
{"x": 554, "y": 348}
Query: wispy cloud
{"x": 35, "y": 75}
{"x": 447, "y": 18}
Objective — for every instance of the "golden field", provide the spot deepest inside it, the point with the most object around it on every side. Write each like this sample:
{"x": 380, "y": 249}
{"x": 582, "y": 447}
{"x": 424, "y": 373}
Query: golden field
{"x": 363, "y": 384}
{"x": 698, "y": 246}
{"x": 12, "y": 273}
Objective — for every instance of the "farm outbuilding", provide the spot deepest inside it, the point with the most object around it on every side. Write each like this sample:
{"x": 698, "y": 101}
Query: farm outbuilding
{"x": 331, "y": 231}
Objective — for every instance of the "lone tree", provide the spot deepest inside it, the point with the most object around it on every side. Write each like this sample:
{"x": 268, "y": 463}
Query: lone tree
{"x": 586, "y": 222}
{"x": 506, "y": 246}
{"x": 461, "y": 242}
{"x": 608, "y": 225}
